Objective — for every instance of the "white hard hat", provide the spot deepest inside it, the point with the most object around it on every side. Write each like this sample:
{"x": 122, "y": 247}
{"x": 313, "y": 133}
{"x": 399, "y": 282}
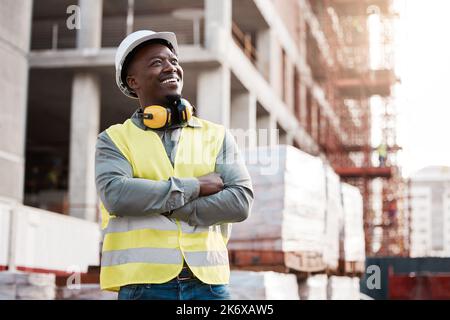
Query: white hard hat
{"x": 130, "y": 43}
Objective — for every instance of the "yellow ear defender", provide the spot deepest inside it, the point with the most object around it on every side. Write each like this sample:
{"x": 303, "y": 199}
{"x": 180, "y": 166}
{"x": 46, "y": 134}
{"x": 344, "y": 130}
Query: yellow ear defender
{"x": 159, "y": 117}
{"x": 156, "y": 117}
{"x": 185, "y": 110}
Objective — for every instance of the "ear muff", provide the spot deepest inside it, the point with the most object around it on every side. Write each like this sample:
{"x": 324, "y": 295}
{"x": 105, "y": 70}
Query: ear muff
{"x": 185, "y": 110}
{"x": 156, "y": 117}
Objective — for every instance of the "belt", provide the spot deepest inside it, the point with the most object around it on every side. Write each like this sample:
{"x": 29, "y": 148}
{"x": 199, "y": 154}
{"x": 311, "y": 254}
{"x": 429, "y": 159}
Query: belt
{"x": 186, "y": 274}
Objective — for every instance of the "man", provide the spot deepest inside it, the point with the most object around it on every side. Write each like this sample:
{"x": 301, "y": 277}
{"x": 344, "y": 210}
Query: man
{"x": 170, "y": 184}
{"x": 382, "y": 154}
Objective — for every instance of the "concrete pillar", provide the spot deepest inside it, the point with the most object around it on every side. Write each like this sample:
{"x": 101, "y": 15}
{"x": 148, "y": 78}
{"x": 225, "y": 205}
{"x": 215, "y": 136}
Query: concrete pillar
{"x": 90, "y": 33}
{"x": 85, "y": 118}
{"x": 315, "y": 120}
{"x": 303, "y": 36}
{"x": 289, "y": 82}
{"x": 213, "y": 95}
{"x": 15, "y": 23}
{"x": 270, "y": 59}
{"x": 302, "y": 103}
{"x": 243, "y": 119}
{"x": 267, "y": 130}
{"x": 276, "y": 65}
{"x": 218, "y": 25}
{"x": 213, "y": 87}
{"x": 263, "y": 45}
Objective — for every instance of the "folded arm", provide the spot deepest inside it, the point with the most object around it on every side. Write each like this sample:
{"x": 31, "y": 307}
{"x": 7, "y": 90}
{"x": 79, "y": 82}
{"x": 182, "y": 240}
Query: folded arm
{"x": 233, "y": 203}
{"x": 124, "y": 195}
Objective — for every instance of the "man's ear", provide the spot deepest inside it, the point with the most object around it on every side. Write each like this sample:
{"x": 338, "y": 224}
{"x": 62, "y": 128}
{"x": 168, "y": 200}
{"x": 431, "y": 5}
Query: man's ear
{"x": 132, "y": 83}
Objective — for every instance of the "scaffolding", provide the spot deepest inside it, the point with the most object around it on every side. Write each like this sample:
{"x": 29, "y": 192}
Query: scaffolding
{"x": 350, "y": 83}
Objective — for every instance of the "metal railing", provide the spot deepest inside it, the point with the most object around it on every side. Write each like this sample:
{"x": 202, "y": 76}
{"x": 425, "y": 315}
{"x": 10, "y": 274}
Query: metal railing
{"x": 53, "y": 34}
{"x": 244, "y": 41}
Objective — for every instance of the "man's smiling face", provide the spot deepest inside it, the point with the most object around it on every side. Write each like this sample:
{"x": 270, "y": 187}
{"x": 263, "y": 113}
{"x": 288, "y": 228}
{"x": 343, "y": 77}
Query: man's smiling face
{"x": 154, "y": 73}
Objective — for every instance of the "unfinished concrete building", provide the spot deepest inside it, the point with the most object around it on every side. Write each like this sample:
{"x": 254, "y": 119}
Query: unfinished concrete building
{"x": 302, "y": 67}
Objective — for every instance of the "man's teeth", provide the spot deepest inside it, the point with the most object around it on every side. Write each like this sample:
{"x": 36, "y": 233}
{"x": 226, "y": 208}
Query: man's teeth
{"x": 170, "y": 80}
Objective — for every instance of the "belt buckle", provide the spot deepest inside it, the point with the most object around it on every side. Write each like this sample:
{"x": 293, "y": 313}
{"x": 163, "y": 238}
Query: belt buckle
{"x": 184, "y": 277}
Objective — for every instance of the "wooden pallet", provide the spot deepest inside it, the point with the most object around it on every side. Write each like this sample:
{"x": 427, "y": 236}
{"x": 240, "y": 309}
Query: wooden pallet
{"x": 91, "y": 277}
{"x": 85, "y": 278}
{"x": 260, "y": 260}
{"x": 350, "y": 268}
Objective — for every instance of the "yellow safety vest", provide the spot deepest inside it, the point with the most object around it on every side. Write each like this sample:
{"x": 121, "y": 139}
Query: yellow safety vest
{"x": 151, "y": 249}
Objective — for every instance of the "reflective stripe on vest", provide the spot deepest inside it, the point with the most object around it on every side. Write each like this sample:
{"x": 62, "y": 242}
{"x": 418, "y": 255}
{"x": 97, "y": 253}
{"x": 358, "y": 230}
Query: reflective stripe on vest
{"x": 151, "y": 249}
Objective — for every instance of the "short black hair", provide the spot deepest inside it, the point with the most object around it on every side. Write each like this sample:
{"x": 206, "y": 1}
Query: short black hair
{"x": 131, "y": 55}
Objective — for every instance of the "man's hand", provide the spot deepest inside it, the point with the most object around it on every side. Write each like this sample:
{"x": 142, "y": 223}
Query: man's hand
{"x": 210, "y": 184}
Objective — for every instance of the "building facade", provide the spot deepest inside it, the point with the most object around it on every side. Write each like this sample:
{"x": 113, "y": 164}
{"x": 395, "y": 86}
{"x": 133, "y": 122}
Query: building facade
{"x": 430, "y": 212}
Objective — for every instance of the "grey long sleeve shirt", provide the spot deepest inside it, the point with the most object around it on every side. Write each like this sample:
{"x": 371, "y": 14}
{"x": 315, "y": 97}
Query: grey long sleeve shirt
{"x": 124, "y": 195}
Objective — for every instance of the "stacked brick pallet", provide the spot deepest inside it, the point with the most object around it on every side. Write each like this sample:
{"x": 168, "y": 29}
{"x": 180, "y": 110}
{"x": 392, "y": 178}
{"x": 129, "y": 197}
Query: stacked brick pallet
{"x": 48, "y": 286}
{"x": 313, "y": 287}
{"x": 333, "y": 219}
{"x": 288, "y": 214}
{"x": 36, "y": 240}
{"x": 324, "y": 287}
{"x": 352, "y": 248}
{"x": 89, "y": 291}
{"x": 343, "y": 288}
{"x": 27, "y": 286}
{"x": 268, "y": 285}
{"x": 303, "y": 221}
{"x": 83, "y": 286}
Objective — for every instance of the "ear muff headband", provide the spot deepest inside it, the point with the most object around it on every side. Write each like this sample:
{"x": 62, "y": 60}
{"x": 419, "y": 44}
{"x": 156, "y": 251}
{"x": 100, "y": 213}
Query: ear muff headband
{"x": 185, "y": 110}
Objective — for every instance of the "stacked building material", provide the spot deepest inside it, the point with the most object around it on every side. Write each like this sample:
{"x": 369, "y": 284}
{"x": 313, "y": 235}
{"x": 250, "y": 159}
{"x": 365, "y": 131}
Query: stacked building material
{"x": 82, "y": 286}
{"x": 5, "y": 226}
{"x": 51, "y": 242}
{"x": 421, "y": 203}
{"x": 334, "y": 216}
{"x": 26, "y": 286}
{"x": 84, "y": 291}
{"x": 288, "y": 213}
{"x": 249, "y": 285}
{"x": 343, "y": 288}
{"x": 352, "y": 233}
{"x": 303, "y": 219}
{"x": 314, "y": 287}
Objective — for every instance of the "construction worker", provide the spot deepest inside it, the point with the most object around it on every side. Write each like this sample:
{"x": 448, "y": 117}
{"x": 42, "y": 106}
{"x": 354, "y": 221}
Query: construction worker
{"x": 170, "y": 184}
{"x": 382, "y": 154}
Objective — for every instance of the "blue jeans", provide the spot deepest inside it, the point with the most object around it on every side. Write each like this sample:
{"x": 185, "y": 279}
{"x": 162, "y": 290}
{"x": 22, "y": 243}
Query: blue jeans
{"x": 192, "y": 289}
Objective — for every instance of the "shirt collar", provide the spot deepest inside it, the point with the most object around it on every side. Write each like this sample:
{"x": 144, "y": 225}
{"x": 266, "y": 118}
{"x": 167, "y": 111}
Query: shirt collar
{"x": 193, "y": 122}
